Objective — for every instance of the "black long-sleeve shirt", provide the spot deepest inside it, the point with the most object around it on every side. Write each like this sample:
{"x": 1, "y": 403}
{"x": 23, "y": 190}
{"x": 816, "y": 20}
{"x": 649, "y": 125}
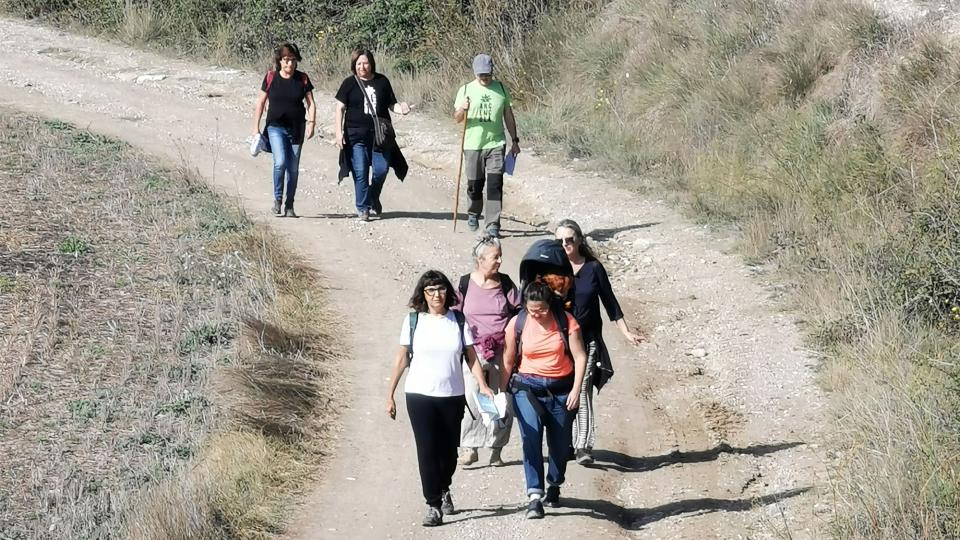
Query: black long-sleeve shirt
{"x": 590, "y": 288}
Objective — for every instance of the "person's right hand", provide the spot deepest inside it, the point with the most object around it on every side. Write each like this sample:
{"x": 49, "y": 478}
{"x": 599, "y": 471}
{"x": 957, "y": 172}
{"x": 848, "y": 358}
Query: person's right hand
{"x": 573, "y": 401}
{"x": 341, "y": 141}
{"x": 391, "y": 408}
{"x": 466, "y": 105}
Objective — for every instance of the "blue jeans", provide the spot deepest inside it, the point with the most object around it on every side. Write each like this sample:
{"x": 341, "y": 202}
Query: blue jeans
{"x": 286, "y": 159}
{"x": 362, "y": 156}
{"x": 557, "y": 421}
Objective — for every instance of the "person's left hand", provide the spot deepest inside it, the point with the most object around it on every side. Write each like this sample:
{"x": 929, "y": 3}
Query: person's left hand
{"x": 311, "y": 129}
{"x": 515, "y": 149}
{"x": 573, "y": 401}
{"x": 404, "y": 107}
{"x": 487, "y": 391}
{"x": 634, "y": 339}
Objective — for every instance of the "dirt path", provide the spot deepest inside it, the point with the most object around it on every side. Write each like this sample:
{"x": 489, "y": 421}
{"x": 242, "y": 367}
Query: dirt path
{"x": 724, "y": 443}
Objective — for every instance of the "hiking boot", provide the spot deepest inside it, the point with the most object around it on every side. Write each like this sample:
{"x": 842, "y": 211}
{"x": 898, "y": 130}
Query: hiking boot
{"x": 446, "y": 504}
{"x": 495, "y": 460}
{"x": 493, "y": 230}
{"x": 468, "y": 457}
{"x": 473, "y": 222}
{"x": 585, "y": 456}
{"x": 433, "y": 518}
{"x": 290, "y": 213}
{"x": 552, "y": 498}
{"x": 276, "y": 206}
{"x": 363, "y": 216}
{"x": 535, "y": 509}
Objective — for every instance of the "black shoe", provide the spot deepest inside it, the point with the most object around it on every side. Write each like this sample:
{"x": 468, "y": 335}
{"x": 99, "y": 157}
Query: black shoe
{"x": 433, "y": 518}
{"x": 552, "y": 498}
{"x": 377, "y": 208}
{"x": 276, "y": 206}
{"x": 290, "y": 213}
{"x": 585, "y": 456}
{"x": 446, "y": 504}
{"x": 473, "y": 222}
{"x": 535, "y": 509}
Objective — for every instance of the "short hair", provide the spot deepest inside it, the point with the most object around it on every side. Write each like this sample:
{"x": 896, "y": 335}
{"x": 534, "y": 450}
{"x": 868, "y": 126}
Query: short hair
{"x": 418, "y": 301}
{"x": 285, "y": 49}
{"x": 537, "y": 291}
{"x": 585, "y": 250}
{"x": 357, "y": 53}
{"x": 483, "y": 243}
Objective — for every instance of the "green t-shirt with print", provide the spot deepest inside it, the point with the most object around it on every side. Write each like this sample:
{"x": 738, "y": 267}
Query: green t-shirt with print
{"x": 485, "y": 117}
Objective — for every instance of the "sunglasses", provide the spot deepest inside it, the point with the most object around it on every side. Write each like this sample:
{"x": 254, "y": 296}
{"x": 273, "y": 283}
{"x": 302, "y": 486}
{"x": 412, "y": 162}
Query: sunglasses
{"x": 567, "y": 240}
{"x": 434, "y": 291}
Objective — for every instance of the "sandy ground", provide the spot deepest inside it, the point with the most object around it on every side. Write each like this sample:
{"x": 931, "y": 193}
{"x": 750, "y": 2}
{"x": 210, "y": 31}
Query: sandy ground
{"x": 713, "y": 429}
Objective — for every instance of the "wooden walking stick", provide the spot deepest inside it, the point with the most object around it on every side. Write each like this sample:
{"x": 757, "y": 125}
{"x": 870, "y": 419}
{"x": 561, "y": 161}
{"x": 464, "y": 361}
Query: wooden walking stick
{"x": 456, "y": 197}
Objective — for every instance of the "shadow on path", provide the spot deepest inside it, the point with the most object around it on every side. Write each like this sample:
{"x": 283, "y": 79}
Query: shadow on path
{"x": 634, "y": 519}
{"x": 602, "y": 235}
{"x": 609, "y": 460}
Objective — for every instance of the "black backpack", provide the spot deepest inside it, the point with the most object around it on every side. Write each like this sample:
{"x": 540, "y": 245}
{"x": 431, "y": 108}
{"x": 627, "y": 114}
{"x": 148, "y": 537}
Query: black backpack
{"x": 461, "y": 320}
{"x": 506, "y": 285}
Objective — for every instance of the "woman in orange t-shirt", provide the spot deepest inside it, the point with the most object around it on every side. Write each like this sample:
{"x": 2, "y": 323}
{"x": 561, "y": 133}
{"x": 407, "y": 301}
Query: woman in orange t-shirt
{"x": 542, "y": 389}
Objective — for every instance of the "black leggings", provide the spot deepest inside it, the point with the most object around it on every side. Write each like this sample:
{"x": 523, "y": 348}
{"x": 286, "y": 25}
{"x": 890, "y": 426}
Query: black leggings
{"x": 436, "y": 429}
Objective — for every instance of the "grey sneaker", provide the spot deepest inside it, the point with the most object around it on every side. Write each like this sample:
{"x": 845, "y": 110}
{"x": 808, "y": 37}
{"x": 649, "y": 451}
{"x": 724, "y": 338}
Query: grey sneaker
{"x": 433, "y": 518}
{"x": 468, "y": 457}
{"x": 473, "y": 222}
{"x": 495, "y": 459}
{"x": 493, "y": 230}
{"x": 535, "y": 509}
{"x": 446, "y": 504}
{"x": 276, "y": 206}
{"x": 290, "y": 213}
{"x": 364, "y": 216}
{"x": 552, "y": 498}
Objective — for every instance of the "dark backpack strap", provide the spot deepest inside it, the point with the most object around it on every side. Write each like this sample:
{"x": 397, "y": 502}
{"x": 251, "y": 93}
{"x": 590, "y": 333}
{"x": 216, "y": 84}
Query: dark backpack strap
{"x": 414, "y": 316}
{"x": 507, "y": 285}
{"x": 462, "y": 287}
{"x": 461, "y": 321}
{"x": 270, "y": 76}
{"x": 518, "y": 332}
{"x": 560, "y": 315}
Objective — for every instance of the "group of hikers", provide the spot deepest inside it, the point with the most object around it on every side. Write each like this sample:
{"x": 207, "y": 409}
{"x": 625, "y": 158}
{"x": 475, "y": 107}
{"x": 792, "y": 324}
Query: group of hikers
{"x": 365, "y": 136}
{"x": 539, "y": 343}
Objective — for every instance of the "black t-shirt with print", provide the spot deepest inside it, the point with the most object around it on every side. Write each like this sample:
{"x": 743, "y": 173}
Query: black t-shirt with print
{"x": 357, "y": 122}
{"x": 285, "y": 98}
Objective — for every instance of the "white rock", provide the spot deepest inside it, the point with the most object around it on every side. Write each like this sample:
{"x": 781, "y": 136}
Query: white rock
{"x": 697, "y": 353}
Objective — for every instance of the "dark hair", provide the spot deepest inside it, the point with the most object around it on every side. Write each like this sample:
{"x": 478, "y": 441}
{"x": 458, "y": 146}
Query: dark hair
{"x": 418, "y": 301}
{"x": 585, "y": 250}
{"x": 538, "y": 291}
{"x": 285, "y": 49}
{"x": 357, "y": 53}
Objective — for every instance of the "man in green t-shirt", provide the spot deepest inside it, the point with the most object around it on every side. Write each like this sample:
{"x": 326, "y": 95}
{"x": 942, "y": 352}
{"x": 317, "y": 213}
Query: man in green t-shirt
{"x": 485, "y": 104}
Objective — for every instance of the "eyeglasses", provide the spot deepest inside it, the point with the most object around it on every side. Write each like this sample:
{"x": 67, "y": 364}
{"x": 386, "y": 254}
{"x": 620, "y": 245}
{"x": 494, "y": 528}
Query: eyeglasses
{"x": 567, "y": 240}
{"x": 434, "y": 291}
{"x": 288, "y": 59}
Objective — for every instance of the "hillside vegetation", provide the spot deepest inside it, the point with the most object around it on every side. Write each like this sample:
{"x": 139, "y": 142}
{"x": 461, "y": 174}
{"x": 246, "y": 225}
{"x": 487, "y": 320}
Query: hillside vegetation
{"x": 827, "y": 133}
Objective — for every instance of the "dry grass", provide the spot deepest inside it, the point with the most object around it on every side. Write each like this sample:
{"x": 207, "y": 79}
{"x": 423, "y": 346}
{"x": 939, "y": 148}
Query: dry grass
{"x": 139, "y": 398}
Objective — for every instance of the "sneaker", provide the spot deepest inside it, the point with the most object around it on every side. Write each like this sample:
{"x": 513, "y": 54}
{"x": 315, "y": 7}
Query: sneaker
{"x": 446, "y": 504}
{"x": 495, "y": 459}
{"x": 363, "y": 216}
{"x": 433, "y": 518}
{"x": 585, "y": 456}
{"x": 468, "y": 457}
{"x": 493, "y": 230}
{"x": 377, "y": 208}
{"x": 473, "y": 222}
{"x": 256, "y": 145}
{"x": 290, "y": 213}
{"x": 552, "y": 498}
{"x": 276, "y": 206}
{"x": 535, "y": 509}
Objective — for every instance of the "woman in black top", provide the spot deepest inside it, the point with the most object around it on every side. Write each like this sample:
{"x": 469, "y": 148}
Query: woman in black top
{"x": 591, "y": 286}
{"x": 355, "y": 130}
{"x": 285, "y": 89}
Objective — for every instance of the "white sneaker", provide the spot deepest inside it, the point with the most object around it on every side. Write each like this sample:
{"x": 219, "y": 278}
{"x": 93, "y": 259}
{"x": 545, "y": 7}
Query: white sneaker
{"x": 256, "y": 145}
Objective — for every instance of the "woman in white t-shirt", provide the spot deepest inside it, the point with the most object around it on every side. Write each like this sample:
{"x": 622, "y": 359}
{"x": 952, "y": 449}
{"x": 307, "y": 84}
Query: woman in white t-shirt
{"x": 434, "y": 387}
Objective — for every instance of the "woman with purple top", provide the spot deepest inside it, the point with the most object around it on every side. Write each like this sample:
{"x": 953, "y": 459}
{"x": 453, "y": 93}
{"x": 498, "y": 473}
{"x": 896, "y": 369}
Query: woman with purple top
{"x": 488, "y": 299}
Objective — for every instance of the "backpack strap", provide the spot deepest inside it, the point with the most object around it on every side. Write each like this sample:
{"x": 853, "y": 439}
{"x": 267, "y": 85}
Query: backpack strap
{"x": 518, "y": 331}
{"x": 462, "y": 287}
{"x": 270, "y": 76}
{"x": 461, "y": 322}
{"x": 414, "y": 316}
{"x": 507, "y": 285}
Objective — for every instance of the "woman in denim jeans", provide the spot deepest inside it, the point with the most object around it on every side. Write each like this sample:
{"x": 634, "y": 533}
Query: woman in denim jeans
{"x": 361, "y": 96}
{"x": 543, "y": 389}
{"x": 285, "y": 89}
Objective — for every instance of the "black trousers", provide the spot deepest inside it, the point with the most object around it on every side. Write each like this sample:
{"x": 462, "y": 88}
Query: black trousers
{"x": 436, "y": 430}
